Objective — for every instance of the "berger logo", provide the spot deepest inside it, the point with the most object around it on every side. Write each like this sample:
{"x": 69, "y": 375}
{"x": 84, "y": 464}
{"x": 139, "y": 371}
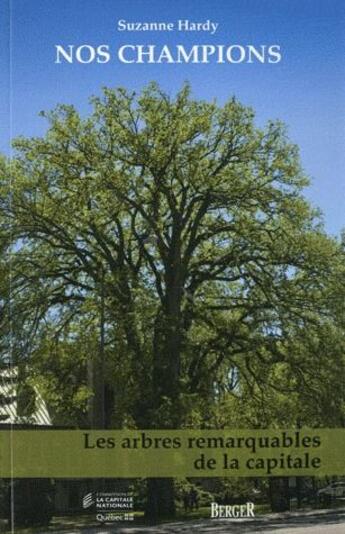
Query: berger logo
{"x": 88, "y": 500}
{"x": 232, "y": 510}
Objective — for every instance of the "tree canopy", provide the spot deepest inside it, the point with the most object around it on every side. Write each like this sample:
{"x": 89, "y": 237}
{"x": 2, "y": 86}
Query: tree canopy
{"x": 168, "y": 240}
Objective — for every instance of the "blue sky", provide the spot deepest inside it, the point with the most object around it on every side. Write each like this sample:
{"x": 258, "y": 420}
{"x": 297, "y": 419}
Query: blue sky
{"x": 306, "y": 89}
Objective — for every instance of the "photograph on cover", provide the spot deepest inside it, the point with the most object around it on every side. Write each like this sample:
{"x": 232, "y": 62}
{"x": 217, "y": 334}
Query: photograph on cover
{"x": 172, "y": 266}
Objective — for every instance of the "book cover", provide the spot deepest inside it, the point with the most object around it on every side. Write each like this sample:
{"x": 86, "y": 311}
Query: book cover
{"x": 172, "y": 266}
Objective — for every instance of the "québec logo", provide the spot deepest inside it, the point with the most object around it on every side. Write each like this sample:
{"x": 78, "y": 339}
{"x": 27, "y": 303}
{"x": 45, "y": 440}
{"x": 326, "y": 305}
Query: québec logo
{"x": 88, "y": 500}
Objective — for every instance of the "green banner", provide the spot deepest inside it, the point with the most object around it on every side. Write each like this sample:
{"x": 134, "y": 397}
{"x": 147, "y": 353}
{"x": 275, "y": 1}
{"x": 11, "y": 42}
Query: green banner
{"x": 171, "y": 453}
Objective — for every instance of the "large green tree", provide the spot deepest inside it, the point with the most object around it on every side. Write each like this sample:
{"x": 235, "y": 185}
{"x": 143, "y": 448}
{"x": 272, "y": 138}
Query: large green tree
{"x": 183, "y": 225}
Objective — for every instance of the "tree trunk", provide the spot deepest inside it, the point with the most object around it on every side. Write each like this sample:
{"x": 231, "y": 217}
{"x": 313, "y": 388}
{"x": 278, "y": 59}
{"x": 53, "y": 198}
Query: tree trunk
{"x": 279, "y": 494}
{"x": 96, "y": 402}
{"x": 166, "y": 401}
{"x": 166, "y": 370}
{"x": 166, "y": 378}
{"x": 160, "y": 491}
{"x": 160, "y": 498}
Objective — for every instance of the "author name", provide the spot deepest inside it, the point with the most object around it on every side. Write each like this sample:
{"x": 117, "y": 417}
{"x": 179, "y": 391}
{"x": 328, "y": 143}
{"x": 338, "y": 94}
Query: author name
{"x": 181, "y": 25}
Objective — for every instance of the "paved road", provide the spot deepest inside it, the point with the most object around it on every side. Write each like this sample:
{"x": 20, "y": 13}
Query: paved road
{"x": 320, "y": 522}
{"x": 322, "y": 529}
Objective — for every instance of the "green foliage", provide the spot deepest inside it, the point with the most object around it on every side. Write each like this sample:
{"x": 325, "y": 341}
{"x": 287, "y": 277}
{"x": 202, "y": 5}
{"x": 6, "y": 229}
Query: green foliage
{"x": 170, "y": 239}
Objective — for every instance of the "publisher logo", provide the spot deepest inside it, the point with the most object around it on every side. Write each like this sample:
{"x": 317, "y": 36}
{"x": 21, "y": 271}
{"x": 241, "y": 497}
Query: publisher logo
{"x": 110, "y": 506}
{"x": 88, "y": 500}
{"x": 114, "y": 506}
{"x": 234, "y": 511}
